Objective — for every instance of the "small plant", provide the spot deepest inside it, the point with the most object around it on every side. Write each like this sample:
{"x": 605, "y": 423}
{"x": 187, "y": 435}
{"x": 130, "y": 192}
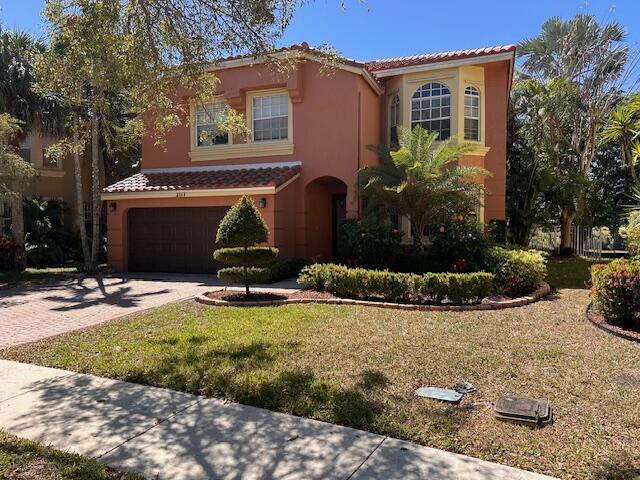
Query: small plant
{"x": 616, "y": 292}
{"x": 367, "y": 242}
{"x": 239, "y": 231}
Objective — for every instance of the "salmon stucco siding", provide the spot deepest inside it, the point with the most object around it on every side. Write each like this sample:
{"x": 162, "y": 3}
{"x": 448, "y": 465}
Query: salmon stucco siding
{"x": 302, "y": 173}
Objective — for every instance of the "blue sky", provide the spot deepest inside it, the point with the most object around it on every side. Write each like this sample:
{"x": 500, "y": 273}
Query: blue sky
{"x": 385, "y": 28}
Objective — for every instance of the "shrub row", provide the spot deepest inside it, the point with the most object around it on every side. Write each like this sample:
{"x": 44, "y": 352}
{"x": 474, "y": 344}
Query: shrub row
{"x": 517, "y": 272}
{"x": 398, "y": 287}
{"x": 616, "y": 292}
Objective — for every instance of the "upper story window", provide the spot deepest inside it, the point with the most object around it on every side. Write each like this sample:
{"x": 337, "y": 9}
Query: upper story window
{"x": 5, "y": 219}
{"x": 471, "y": 114}
{"x": 394, "y": 121}
{"x": 208, "y": 118}
{"x": 431, "y": 108}
{"x": 270, "y": 114}
{"x": 25, "y": 150}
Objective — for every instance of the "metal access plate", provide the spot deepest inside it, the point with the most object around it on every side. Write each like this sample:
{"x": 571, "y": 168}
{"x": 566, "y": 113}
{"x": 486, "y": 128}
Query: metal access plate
{"x": 523, "y": 410}
{"x": 442, "y": 394}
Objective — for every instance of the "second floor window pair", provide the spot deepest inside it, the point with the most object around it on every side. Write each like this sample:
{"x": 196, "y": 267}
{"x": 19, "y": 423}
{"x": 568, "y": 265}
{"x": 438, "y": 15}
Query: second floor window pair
{"x": 269, "y": 116}
{"x": 431, "y": 108}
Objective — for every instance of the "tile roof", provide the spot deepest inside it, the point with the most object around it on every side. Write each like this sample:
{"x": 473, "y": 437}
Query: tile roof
{"x": 424, "y": 59}
{"x": 200, "y": 180}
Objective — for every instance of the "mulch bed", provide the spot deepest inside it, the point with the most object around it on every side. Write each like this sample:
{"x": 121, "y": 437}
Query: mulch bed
{"x": 236, "y": 296}
{"x": 601, "y": 322}
{"x": 225, "y": 297}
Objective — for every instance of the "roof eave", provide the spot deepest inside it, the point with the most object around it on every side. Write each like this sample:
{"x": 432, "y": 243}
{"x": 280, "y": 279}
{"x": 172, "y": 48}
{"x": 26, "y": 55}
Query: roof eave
{"x": 495, "y": 57}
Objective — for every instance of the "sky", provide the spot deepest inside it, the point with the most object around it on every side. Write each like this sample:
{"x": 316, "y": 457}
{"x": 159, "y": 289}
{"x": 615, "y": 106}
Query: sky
{"x": 370, "y": 29}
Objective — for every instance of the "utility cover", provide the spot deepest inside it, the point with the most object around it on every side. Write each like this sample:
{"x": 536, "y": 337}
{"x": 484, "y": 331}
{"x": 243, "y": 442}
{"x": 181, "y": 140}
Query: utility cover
{"x": 523, "y": 410}
{"x": 442, "y": 394}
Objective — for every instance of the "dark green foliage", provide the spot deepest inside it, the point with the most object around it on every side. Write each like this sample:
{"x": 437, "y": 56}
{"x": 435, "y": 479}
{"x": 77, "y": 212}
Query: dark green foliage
{"x": 240, "y": 229}
{"x": 284, "y": 268}
{"x": 368, "y": 243}
{"x": 459, "y": 246}
{"x": 249, "y": 257}
{"x": 398, "y": 287}
{"x": 242, "y": 226}
{"x": 244, "y": 275}
{"x": 48, "y": 241}
{"x": 517, "y": 272}
{"x": 498, "y": 231}
{"x": 616, "y": 292}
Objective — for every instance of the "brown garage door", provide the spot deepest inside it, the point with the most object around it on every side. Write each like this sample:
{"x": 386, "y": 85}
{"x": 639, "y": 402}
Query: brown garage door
{"x": 173, "y": 239}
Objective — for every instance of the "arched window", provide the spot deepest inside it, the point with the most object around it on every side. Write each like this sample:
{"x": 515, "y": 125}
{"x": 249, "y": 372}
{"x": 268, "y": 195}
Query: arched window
{"x": 394, "y": 121}
{"x": 471, "y": 114}
{"x": 431, "y": 108}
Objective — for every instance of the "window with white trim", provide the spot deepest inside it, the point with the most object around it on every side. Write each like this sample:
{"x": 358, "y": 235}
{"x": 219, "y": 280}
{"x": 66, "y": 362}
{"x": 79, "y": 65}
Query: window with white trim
{"x": 431, "y": 108}
{"x": 394, "y": 120}
{"x": 208, "y": 119}
{"x": 471, "y": 114}
{"x": 270, "y": 114}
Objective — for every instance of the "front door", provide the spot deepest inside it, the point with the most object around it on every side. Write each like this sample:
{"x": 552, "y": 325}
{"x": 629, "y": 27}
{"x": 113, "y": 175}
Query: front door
{"x": 338, "y": 213}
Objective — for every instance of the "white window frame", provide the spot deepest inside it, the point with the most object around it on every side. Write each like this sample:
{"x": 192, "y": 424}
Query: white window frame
{"x": 448, "y": 97}
{"x": 394, "y": 115}
{"x": 471, "y": 94}
{"x": 195, "y": 108}
{"x": 251, "y": 96}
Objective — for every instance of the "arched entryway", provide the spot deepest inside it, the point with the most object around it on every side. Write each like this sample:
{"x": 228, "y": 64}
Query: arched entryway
{"x": 325, "y": 204}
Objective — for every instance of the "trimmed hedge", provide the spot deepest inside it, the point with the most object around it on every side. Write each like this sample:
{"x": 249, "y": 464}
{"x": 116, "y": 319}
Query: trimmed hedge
{"x": 517, "y": 272}
{"x": 616, "y": 292}
{"x": 398, "y": 287}
{"x": 283, "y": 268}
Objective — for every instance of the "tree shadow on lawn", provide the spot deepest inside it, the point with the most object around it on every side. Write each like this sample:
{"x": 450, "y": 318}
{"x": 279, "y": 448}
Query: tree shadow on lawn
{"x": 249, "y": 374}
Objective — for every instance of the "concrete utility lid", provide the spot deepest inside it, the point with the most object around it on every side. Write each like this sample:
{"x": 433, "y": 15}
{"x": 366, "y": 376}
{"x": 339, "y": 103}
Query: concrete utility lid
{"x": 523, "y": 410}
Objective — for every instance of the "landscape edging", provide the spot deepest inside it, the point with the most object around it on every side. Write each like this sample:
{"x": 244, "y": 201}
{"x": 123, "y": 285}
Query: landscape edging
{"x": 605, "y": 327}
{"x": 543, "y": 290}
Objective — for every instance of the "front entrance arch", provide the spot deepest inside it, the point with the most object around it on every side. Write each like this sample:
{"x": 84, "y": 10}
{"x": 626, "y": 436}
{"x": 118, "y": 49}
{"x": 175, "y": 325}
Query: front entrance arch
{"x": 326, "y": 207}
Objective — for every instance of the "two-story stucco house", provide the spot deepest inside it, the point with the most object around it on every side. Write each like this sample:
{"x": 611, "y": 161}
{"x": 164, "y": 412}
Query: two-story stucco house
{"x": 308, "y": 138}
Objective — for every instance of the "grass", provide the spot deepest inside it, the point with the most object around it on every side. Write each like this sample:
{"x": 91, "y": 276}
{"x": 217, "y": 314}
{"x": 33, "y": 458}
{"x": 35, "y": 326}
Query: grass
{"x": 359, "y": 367}
{"x": 22, "y": 459}
{"x": 572, "y": 272}
{"x": 35, "y": 275}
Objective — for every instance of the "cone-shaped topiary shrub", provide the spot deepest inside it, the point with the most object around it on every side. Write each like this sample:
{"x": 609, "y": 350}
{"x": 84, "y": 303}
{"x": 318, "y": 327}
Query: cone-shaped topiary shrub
{"x": 240, "y": 229}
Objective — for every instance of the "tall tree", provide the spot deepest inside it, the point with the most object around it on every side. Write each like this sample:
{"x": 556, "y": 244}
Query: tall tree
{"x": 15, "y": 175}
{"x": 144, "y": 51}
{"x": 420, "y": 180}
{"x": 592, "y": 58}
{"x": 36, "y": 111}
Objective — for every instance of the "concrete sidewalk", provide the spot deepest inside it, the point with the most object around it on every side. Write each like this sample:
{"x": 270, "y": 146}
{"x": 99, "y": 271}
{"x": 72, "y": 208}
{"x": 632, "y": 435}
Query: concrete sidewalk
{"x": 172, "y": 435}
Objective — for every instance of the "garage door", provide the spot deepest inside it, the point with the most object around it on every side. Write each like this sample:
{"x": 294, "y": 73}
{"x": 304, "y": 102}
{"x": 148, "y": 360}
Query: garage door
{"x": 173, "y": 239}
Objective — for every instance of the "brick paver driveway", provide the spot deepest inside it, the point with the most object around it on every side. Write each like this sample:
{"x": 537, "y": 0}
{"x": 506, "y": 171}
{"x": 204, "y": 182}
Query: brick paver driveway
{"x": 39, "y": 311}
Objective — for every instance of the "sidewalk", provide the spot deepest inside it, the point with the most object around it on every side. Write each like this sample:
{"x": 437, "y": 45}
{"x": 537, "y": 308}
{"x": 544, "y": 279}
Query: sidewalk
{"x": 171, "y": 435}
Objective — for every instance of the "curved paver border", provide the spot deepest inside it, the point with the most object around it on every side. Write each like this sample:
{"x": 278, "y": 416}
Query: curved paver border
{"x": 599, "y": 321}
{"x": 543, "y": 290}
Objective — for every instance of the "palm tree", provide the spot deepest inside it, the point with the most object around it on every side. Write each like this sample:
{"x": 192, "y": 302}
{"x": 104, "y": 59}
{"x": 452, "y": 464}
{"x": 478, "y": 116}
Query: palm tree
{"x": 421, "y": 180}
{"x": 624, "y": 127}
{"x": 36, "y": 112}
{"x": 592, "y": 59}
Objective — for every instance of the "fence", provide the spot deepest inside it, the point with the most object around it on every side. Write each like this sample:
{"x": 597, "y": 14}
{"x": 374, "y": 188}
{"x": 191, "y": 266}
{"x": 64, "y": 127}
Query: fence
{"x": 590, "y": 242}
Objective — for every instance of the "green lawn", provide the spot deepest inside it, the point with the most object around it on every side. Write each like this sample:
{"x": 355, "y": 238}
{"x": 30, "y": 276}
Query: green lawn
{"x": 570, "y": 272}
{"x": 22, "y": 459}
{"x": 359, "y": 367}
{"x": 36, "y": 275}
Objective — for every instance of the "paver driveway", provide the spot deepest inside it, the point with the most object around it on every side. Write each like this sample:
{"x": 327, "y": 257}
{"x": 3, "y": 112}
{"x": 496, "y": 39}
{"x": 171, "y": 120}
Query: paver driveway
{"x": 39, "y": 311}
